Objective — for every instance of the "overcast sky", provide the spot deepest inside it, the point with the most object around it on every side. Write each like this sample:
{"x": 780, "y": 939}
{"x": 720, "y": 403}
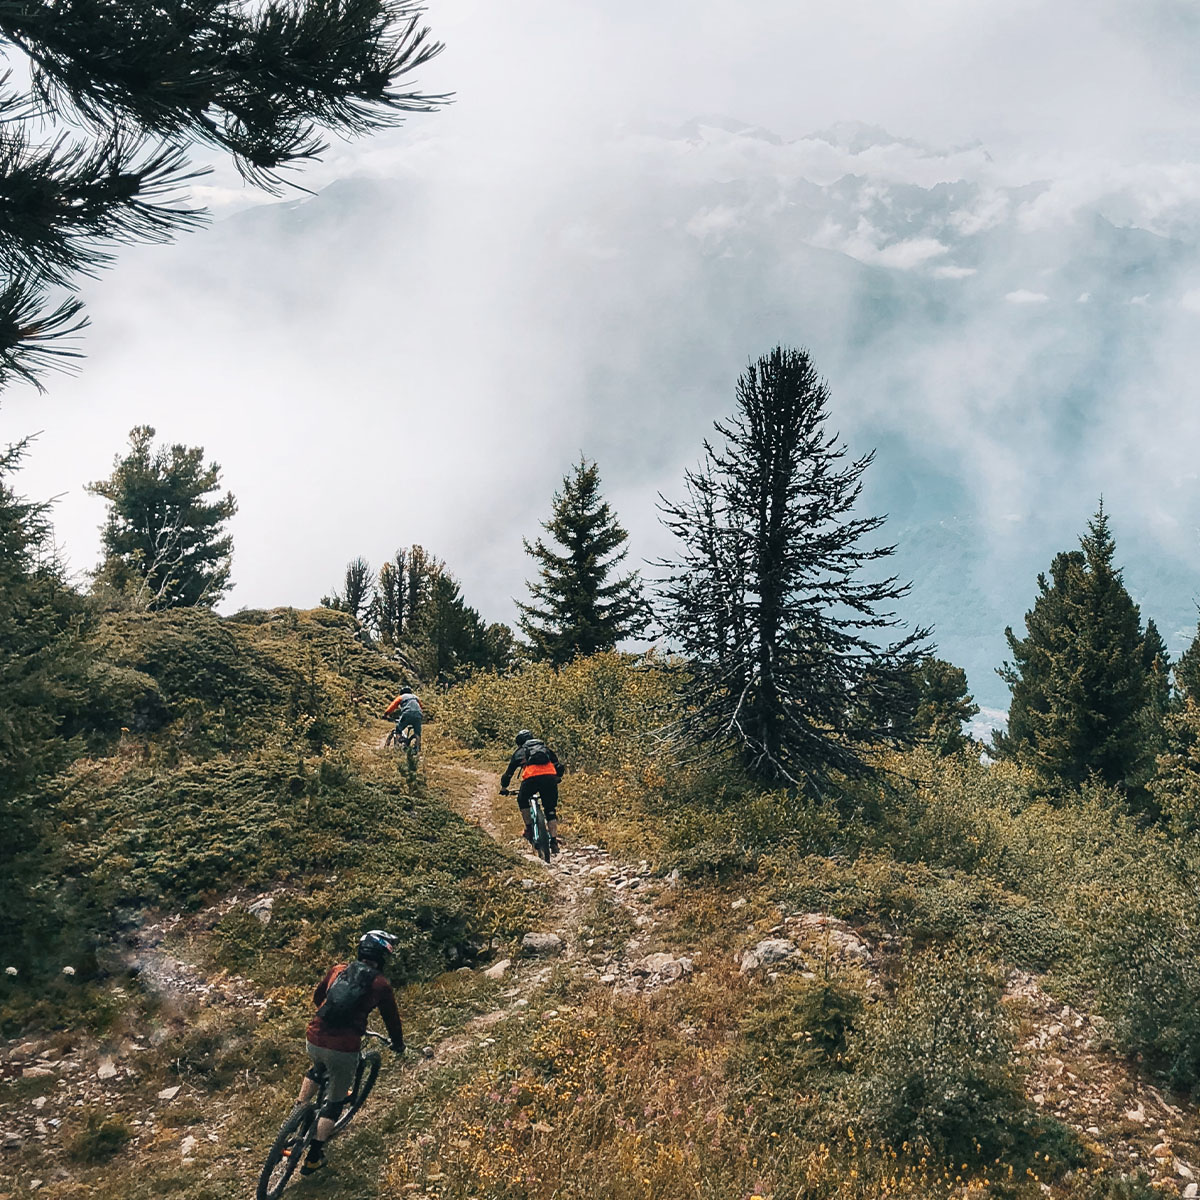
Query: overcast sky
{"x": 425, "y": 365}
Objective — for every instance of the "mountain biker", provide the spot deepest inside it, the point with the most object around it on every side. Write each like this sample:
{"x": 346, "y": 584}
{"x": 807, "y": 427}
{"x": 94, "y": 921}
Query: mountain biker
{"x": 540, "y": 773}
{"x": 334, "y": 1039}
{"x": 407, "y": 710}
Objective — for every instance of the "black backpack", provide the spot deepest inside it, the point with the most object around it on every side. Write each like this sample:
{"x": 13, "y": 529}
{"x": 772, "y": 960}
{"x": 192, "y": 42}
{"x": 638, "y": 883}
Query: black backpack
{"x": 343, "y": 1001}
{"x": 536, "y": 753}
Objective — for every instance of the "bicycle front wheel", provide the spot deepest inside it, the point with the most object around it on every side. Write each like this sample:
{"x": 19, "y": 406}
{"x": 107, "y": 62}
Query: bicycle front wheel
{"x": 364, "y": 1081}
{"x": 288, "y": 1151}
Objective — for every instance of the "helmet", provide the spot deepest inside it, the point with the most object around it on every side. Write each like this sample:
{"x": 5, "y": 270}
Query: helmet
{"x": 376, "y": 944}
{"x": 523, "y": 737}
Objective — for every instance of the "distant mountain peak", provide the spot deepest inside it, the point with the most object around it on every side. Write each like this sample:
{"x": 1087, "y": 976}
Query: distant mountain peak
{"x": 857, "y": 136}
{"x": 695, "y": 129}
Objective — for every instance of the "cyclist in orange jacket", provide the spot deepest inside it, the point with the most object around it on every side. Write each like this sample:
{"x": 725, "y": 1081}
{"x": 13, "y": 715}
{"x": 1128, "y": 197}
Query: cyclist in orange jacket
{"x": 540, "y": 773}
{"x": 406, "y": 708}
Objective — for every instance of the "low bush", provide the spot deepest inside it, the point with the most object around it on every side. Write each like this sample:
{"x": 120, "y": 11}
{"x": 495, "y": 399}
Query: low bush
{"x": 936, "y": 1062}
{"x": 103, "y": 1135}
{"x": 598, "y": 712}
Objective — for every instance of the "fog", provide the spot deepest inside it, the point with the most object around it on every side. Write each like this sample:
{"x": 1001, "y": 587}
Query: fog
{"x": 583, "y": 250}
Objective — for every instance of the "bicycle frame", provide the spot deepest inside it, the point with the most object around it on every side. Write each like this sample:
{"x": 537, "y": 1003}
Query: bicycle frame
{"x": 296, "y": 1134}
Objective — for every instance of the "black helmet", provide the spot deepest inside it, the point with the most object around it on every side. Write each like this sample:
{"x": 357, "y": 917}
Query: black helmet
{"x": 376, "y": 944}
{"x": 523, "y": 737}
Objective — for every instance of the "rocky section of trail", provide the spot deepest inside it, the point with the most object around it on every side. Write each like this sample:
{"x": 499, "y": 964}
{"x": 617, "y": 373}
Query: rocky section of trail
{"x": 1076, "y": 1077}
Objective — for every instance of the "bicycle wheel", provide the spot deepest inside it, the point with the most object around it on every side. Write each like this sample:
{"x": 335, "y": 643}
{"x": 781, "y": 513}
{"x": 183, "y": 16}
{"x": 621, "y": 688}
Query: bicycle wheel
{"x": 364, "y": 1081}
{"x": 541, "y": 834}
{"x": 288, "y": 1151}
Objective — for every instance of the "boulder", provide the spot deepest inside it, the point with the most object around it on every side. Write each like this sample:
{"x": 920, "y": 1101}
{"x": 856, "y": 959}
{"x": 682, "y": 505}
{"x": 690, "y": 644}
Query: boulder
{"x": 769, "y": 950}
{"x": 542, "y": 944}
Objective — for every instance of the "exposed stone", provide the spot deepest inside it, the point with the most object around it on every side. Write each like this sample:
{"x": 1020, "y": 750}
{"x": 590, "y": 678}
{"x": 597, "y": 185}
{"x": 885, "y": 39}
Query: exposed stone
{"x": 542, "y": 944}
{"x": 261, "y": 909}
{"x": 36, "y": 1073}
{"x": 188, "y": 1146}
{"x": 740, "y": 902}
{"x": 769, "y": 950}
{"x": 499, "y": 969}
{"x": 106, "y": 1069}
{"x": 169, "y": 1093}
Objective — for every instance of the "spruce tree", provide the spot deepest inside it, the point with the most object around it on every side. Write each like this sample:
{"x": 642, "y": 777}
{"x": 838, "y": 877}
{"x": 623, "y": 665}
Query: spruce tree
{"x": 1187, "y": 670}
{"x": 94, "y": 146}
{"x": 164, "y": 541}
{"x": 388, "y": 607}
{"x": 1079, "y": 678}
{"x": 357, "y": 594}
{"x": 578, "y": 607}
{"x": 449, "y": 639}
{"x": 943, "y": 703}
{"x": 782, "y": 635}
{"x": 43, "y": 662}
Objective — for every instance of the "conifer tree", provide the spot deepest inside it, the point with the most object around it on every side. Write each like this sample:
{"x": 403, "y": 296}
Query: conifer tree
{"x": 449, "y": 639}
{"x": 1187, "y": 670}
{"x": 164, "y": 541}
{"x": 782, "y": 635}
{"x": 43, "y": 665}
{"x": 943, "y": 704}
{"x": 388, "y": 608}
{"x": 357, "y": 594}
{"x": 1079, "y": 679}
{"x": 577, "y": 606}
{"x": 93, "y": 150}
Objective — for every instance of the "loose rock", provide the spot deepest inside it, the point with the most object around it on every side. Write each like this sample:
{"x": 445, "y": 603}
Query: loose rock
{"x": 542, "y": 944}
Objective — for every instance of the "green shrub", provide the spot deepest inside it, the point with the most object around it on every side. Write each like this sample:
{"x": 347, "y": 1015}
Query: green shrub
{"x": 103, "y": 1135}
{"x": 937, "y": 1064}
{"x": 596, "y": 712}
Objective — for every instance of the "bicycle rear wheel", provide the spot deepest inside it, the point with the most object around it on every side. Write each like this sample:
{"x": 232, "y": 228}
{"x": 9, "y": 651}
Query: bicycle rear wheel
{"x": 541, "y": 833}
{"x": 364, "y": 1081}
{"x": 288, "y": 1151}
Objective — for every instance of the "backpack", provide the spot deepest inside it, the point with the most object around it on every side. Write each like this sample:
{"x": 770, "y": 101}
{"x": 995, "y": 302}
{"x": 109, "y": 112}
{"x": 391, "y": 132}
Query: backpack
{"x": 343, "y": 1001}
{"x": 536, "y": 754}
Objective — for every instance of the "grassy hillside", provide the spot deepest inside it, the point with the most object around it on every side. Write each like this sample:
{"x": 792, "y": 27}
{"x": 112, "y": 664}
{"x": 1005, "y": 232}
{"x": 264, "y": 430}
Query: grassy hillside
{"x": 936, "y": 984}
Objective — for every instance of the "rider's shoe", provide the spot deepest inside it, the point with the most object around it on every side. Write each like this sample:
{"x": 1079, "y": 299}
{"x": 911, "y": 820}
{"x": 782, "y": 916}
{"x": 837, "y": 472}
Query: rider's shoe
{"x": 528, "y": 836}
{"x": 310, "y": 1166}
{"x": 554, "y": 845}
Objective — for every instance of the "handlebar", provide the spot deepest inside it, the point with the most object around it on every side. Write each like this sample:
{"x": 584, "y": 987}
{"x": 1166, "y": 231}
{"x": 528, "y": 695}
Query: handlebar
{"x": 378, "y": 1037}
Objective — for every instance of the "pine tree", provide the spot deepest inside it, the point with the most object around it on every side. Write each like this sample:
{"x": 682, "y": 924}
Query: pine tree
{"x": 164, "y": 542}
{"x": 1187, "y": 670}
{"x": 388, "y": 608}
{"x": 43, "y": 663}
{"x": 943, "y": 704}
{"x": 766, "y": 603}
{"x": 357, "y": 594}
{"x": 264, "y": 83}
{"x": 1079, "y": 679}
{"x": 577, "y": 607}
{"x": 449, "y": 639}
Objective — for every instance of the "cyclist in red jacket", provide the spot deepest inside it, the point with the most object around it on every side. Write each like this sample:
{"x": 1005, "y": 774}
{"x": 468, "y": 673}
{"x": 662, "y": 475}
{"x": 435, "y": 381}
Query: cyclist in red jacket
{"x": 335, "y": 1033}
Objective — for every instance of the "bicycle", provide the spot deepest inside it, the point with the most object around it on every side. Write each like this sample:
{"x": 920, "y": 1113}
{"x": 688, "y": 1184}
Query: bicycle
{"x": 539, "y": 827}
{"x": 291, "y": 1144}
{"x": 407, "y": 739}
